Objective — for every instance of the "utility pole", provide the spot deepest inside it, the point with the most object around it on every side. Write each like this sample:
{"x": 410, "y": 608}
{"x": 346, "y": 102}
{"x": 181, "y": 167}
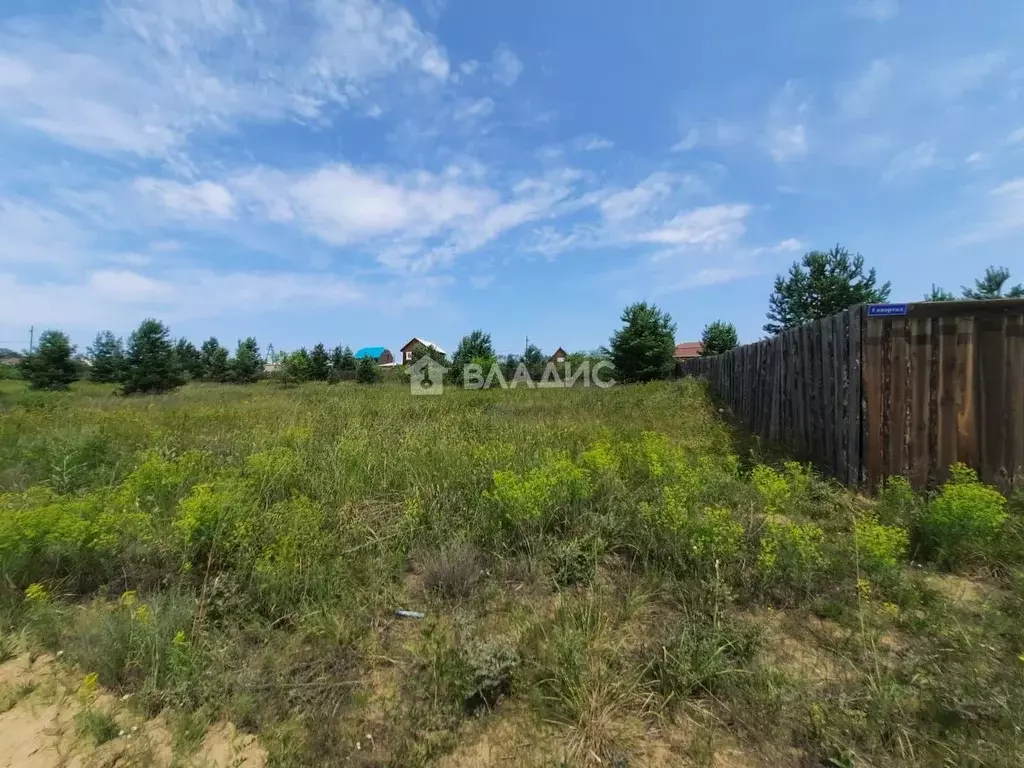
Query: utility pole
{"x": 31, "y": 337}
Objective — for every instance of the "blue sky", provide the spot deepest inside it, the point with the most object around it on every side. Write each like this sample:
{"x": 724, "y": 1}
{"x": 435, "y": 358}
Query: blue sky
{"x": 358, "y": 171}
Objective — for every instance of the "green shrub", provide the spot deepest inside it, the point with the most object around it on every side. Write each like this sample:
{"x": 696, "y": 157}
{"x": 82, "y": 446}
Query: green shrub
{"x": 540, "y": 498}
{"x": 897, "y": 502}
{"x": 961, "y": 524}
{"x": 573, "y": 562}
{"x": 699, "y": 658}
{"x": 492, "y": 665}
{"x": 881, "y": 549}
{"x": 790, "y": 554}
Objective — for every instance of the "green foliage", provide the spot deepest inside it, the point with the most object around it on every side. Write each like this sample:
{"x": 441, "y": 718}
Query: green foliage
{"x": 50, "y": 365}
{"x": 368, "y": 372}
{"x": 472, "y": 347}
{"x": 453, "y": 572}
{"x": 718, "y": 337}
{"x": 643, "y": 349}
{"x": 492, "y": 667}
{"x": 881, "y": 549}
{"x": 319, "y": 363}
{"x": 294, "y": 368}
{"x": 247, "y": 365}
{"x": 962, "y": 523}
{"x": 542, "y": 497}
{"x": 780, "y": 491}
{"x": 150, "y": 363}
{"x": 790, "y": 554}
{"x": 700, "y": 658}
{"x": 819, "y": 285}
{"x": 215, "y": 360}
{"x": 190, "y": 359}
{"x": 897, "y": 502}
{"x": 345, "y": 360}
{"x": 938, "y": 294}
{"x": 107, "y": 356}
{"x": 96, "y": 725}
{"x": 991, "y": 286}
{"x": 573, "y": 562}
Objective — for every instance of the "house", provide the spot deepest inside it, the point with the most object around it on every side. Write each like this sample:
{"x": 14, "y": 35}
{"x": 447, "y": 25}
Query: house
{"x": 559, "y": 356}
{"x": 687, "y": 350}
{"x": 382, "y": 355}
{"x": 409, "y": 348}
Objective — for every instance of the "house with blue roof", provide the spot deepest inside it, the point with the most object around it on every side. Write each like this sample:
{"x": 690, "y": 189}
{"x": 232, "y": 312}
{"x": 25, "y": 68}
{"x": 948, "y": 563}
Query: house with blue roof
{"x": 382, "y": 355}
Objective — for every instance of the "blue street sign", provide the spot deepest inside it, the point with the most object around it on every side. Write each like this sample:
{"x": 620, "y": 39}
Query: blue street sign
{"x": 886, "y": 310}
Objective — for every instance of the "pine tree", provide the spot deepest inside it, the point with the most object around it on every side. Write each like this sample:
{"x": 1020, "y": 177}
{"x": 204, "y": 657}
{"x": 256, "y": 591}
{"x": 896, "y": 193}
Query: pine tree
{"x": 216, "y": 364}
{"x": 991, "y": 286}
{"x": 337, "y": 358}
{"x": 348, "y": 359}
{"x": 247, "y": 365}
{"x": 150, "y": 363}
{"x": 718, "y": 337}
{"x": 819, "y": 285}
{"x": 368, "y": 372}
{"x": 643, "y": 348}
{"x": 937, "y": 294}
{"x": 107, "y": 354}
{"x": 190, "y": 359}
{"x": 50, "y": 365}
{"x": 319, "y": 363}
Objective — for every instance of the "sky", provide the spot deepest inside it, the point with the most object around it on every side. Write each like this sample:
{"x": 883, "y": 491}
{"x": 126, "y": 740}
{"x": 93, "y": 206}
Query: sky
{"x": 362, "y": 171}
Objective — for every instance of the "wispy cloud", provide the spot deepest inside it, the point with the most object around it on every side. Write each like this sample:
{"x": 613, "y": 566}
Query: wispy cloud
{"x": 859, "y": 97}
{"x": 875, "y": 10}
{"x": 911, "y": 161}
{"x": 35, "y": 234}
{"x": 592, "y": 143}
{"x": 199, "y": 200}
{"x": 786, "y": 132}
{"x": 1004, "y": 215}
{"x": 506, "y": 66}
{"x": 154, "y": 71}
{"x": 705, "y": 226}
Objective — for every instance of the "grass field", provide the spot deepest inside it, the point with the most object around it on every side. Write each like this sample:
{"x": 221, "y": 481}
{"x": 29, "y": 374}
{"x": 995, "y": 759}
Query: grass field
{"x": 607, "y": 577}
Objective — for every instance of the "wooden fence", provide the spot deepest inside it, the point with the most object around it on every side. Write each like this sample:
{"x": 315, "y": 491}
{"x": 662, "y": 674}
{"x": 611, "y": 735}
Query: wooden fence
{"x": 865, "y": 396}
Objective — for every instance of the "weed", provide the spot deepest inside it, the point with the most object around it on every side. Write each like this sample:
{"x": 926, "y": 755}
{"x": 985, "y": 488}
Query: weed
{"x": 960, "y": 525}
{"x": 96, "y": 725}
{"x": 453, "y": 572}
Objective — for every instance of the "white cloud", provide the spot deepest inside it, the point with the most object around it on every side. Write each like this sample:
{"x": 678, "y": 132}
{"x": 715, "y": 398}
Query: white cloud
{"x": 859, "y": 98}
{"x": 630, "y": 203}
{"x": 479, "y": 282}
{"x": 592, "y": 143}
{"x": 155, "y": 71}
{"x": 121, "y": 298}
{"x": 469, "y": 67}
{"x": 688, "y": 142}
{"x": 710, "y": 225}
{"x": 473, "y": 109}
{"x": 1005, "y": 213}
{"x": 506, "y": 66}
{"x": 975, "y": 158}
{"x": 875, "y": 10}
{"x": 789, "y": 245}
{"x": 953, "y": 80}
{"x": 33, "y": 234}
{"x": 786, "y": 134}
{"x": 1016, "y": 137}
{"x": 911, "y": 161}
{"x": 188, "y": 201}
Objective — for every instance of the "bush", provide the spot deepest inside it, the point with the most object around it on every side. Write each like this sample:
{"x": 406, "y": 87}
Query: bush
{"x": 50, "y": 366}
{"x": 790, "y": 554}
{"x": 453, "y": 572}
{"x": 961, "y": 524}
{"x": 491, "y": 665}
{"x": 573, "y": 562}
{"x": 881, "y": 549}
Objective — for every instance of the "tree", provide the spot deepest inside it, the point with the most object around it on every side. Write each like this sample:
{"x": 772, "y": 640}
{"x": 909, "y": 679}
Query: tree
{"x": 107, "y": 353}
{"x": 348, "y": 360}
{"x": 50, "y": 365}
{"x": 643, "y": 348}
{"x": 819, "y": 285}
{"x": 216, "y": 365}
{"x": 991, "y": 286}
{"x": 368, "y": 372}
{"x": 294, "y": 367}
{"x": 190, "y": 359}
{"x": 419, "y": 351}
{"x": 937, "y": 294}
{"x": 319, "y": 363}
{"x": 150, "y": 363}
{"x": 718, "y": 337}
{"x": 474, "y": 346}
{"x": 247, "y": 365}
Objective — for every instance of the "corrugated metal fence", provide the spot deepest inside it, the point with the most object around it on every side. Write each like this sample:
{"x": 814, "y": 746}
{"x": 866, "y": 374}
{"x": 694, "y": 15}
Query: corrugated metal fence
{"x": 867, "y": 396}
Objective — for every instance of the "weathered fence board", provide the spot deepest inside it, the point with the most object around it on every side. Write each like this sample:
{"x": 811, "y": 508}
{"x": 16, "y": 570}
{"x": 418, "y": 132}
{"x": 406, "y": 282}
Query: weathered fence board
{"x": 866, "y": 397}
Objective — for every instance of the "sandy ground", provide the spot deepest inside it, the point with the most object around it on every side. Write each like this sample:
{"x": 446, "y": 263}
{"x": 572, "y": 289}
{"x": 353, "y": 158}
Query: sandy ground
{"x": 38, "y": 729}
